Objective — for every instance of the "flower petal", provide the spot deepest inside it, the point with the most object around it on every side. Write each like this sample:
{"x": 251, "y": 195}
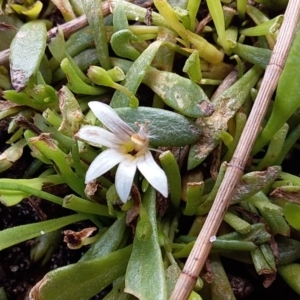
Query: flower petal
{"x": 110, "y": 119}
{"x": 124, "y": 178}
{"x": 102, "y": 163}
{"x": 97, "y": 136}
{"x": 153, "y": 173}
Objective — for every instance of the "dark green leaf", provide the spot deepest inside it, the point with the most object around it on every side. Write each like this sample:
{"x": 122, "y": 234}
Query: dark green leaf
{"x": 166, "y": 128}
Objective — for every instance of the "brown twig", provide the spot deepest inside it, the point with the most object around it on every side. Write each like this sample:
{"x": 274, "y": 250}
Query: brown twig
{"x": 201, "y": 249}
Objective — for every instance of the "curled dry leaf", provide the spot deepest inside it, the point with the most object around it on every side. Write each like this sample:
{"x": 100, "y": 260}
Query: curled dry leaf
{"x": 269, "y": 279}
{"x": 11, "y": 155}
{"x": 6, "y": 105}
{"x": 226, "y": 105}
{"x": 76, "y": 240}
{"x": 133, "y": 213}
{"x": 46, "y": 138}
{"x": 5, "y": 26}
{"x": 71, "y": 113}
{"x": 254, "y": 182}
{"x": 287, "y": 193}
{"x": 91, "y": 188}
{"x": 35, "y": 291}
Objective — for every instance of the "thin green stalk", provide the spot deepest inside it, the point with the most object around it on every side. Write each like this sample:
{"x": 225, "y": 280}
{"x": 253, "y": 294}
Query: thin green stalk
{"x": 172, "y": 171}
{"x": 31, "y": 191}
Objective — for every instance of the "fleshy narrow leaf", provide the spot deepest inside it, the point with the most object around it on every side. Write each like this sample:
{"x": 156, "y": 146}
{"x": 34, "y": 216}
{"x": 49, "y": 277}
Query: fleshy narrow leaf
{"x": 11, "y": 155}
{"x": 288, "y": 250}
{"x": 255, "y": 55}
{"x": 287, "y": 97}
{"x": 216, "y": 12}
{"x": 27, "y": 50}
{"x": 176, "y": 91}
{"x": 145, "y": 276}
{"x": 166, "y": 128}
{"x": 289, "y": 193}
{"x": 9, "y": 33}
{"x": 12, "y": 191}
{"x": 93, "y": 12}
{"x": 220, "y": 285}
{"x": 291, "y": 275}
{"x": 57, "y": 45}
{"x": 292, "y": 214}
{"x": 83, "y": 279}
{"x": 271, "y": 213}
{"x": 47, "y": 146}
{"x": 18, "y": 234}
{"x": 253, "y": 182}
{"x": 108, "y": 242}
{"x": 135, "y": 75}
{"x": 179, "y": 93}
{"x": 66, "y": 9}
{"x": 226, "y": 105}
{"x": 70, "y": 111}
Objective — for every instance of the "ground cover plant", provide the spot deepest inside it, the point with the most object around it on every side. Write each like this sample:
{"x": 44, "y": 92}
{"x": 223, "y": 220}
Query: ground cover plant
{"x": 119, "y": 122}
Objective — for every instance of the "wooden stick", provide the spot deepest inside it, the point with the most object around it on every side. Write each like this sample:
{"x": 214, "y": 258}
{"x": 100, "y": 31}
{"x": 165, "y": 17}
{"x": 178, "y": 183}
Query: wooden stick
{"x": 201, "y": 249}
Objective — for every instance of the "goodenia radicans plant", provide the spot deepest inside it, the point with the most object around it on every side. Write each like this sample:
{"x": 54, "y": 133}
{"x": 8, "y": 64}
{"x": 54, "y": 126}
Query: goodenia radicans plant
{"x": 176, "y": 81}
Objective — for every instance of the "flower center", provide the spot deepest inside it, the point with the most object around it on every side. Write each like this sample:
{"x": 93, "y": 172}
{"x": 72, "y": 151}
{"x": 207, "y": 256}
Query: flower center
{"x": 140, "y": 144}
{"x": 139, "y": 141}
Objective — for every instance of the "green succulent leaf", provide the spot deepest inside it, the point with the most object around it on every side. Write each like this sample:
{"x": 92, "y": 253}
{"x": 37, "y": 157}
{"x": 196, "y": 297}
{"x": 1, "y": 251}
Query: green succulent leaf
{"x": 145, "y": 276}
{"x": 291, "y": 275}
{"x": 83, "y": 279}
{"x": 18, "y": 234}
{"x": 292, "y": 214}
{"x": 27, "y": 50}
{"x": 7, "y": 35}
{"x": 166, "y": 128}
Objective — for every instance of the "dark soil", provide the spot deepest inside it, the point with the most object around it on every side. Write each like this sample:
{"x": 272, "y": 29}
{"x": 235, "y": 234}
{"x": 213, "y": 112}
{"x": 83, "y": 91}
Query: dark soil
{"x": 17, "y": 271}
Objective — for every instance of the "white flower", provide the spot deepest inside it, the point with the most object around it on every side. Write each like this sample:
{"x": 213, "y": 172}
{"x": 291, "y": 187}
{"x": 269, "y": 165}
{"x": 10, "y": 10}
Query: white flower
{"x": 125, "y": 147}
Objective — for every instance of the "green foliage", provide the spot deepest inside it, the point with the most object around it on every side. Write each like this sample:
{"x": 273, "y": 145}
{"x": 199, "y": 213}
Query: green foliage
{"x": 164, "y": 77}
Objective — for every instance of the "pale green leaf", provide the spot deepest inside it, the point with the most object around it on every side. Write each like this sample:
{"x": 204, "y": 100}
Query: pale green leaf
{"x": 26, "y": 52}
{"x": 145, "y": 275}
